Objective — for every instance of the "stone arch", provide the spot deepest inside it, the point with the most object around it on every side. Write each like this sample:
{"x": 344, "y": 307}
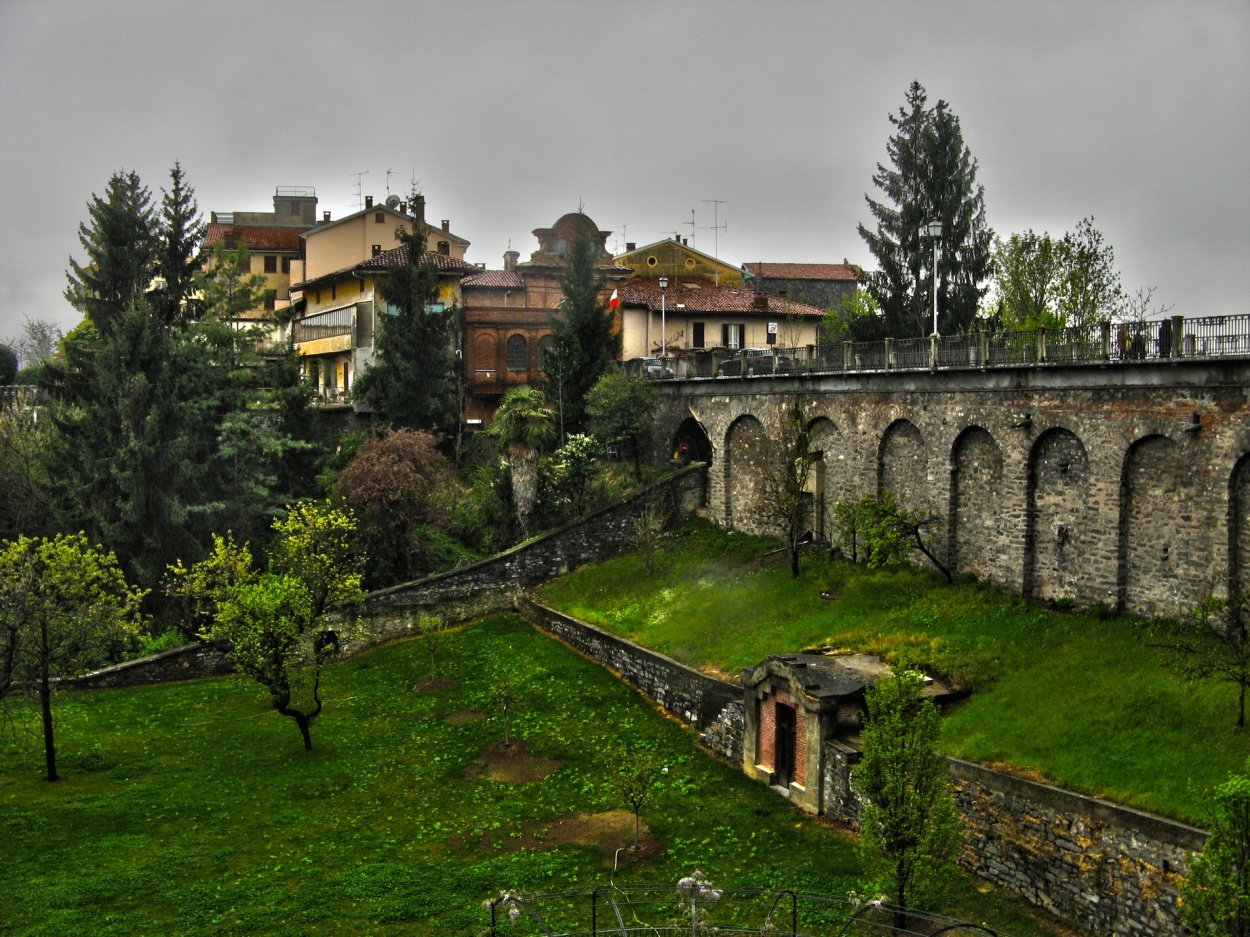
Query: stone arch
{"x": 1055, "y": 516}
{"x": 746, "y": 450}
{"x": 903, "y": 465}
{"x": 830, "y": 481}
{"x": 1239, "y": 527}
{"x": 691, "y": 442}
{"x": 976, "y": 502}
{"x": 1158, "y": 569}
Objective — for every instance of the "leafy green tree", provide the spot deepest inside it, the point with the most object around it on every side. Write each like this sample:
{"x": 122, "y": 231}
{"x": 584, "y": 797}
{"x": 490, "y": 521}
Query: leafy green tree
{"x": 433, "y": 630}
{"x": 856, "y": 319}
{"x": 621, "y": 409}
{"x": 25, "y": 442}
{"x": 523, "y": 425}
{"x": 1091, "y": 290}
{"x": 565, "y": 476}
{"x": 274, "y": 620}
{"x": 1215, "y": 899}
{"x": 909, "y": 830}
{"x": 585, "y": 342}
{"x": 885, "y": 531}
{"x": 64, "y": 606}
{"x": 413, "y": 383}
{"x": 1028, "y": 279}
{"x": 932, "y": 176}
{"x": 8, "y": 365}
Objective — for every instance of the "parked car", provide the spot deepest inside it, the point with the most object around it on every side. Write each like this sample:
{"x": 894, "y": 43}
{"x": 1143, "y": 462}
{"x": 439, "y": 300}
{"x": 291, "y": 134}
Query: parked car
{"x": 652, "y": 368}
{"x": 758, "y": 361}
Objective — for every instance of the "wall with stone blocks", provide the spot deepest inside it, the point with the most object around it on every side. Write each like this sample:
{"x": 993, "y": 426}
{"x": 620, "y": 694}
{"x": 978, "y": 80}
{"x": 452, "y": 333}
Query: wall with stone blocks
{"x": 1128, "y": 485}
{"x": 484, "y": 588}
{"x": 711, "y": 706}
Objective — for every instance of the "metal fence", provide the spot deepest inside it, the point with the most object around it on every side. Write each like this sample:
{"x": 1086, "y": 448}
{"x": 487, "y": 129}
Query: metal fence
{"x": 696, "y": 907}
{"x": 1176, "y": 338}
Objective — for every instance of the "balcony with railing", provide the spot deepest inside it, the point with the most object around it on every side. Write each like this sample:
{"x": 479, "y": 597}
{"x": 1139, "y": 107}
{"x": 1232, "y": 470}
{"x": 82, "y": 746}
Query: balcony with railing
{"x": 1107, "y": 343}
{"x": 323, "y": 325}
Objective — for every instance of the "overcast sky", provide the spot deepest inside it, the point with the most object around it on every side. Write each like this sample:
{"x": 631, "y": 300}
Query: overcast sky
{"x": 511, "y": 113}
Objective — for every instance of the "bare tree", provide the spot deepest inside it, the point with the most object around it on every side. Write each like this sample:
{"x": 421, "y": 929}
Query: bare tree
{"x": 785, "y": 500}
{"x": 433, "y": 630}
{"x": 1213, "y": 642}
{"x": 646, "y": 531}
{"x": 638, "y": 773}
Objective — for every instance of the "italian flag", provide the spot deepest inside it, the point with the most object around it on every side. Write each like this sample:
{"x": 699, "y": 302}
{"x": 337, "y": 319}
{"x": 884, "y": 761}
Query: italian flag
{"x": 614, "y": 301}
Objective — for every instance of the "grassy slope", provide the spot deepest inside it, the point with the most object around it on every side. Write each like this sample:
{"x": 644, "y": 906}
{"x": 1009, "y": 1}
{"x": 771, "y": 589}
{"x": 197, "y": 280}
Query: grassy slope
{"x": 193, "y": 809}
{"x": 1085, "y": 702}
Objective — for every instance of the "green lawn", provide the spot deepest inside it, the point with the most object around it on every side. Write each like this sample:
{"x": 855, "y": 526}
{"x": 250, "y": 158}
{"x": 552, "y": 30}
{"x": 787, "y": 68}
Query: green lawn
{"x": 193, "y": 809}
{"x": 1086, "y": 702}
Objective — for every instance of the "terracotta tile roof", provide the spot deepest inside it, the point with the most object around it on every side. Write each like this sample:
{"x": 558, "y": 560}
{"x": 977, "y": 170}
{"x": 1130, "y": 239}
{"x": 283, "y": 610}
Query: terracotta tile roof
{"x": 495, "y": 279}
{"x": 442, "y": 262}
{"x": 701, "y": 296}
{"x": 804, "y": 271}
{"x": 257, "y": 237}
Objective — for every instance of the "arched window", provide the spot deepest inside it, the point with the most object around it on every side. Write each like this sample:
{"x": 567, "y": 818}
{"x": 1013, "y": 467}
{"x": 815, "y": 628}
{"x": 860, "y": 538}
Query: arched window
{"x": 546, "y": 345}
{"x": 518, "y": 353}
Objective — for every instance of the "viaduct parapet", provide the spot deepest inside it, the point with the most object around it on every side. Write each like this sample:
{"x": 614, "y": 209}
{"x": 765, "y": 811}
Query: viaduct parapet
{"x": 1126, "y": 484}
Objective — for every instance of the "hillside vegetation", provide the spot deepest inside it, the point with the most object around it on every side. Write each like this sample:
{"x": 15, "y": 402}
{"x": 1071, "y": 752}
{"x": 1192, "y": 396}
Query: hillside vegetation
{"x": 1079, "y": 699}
{"x": 193, "y": 809}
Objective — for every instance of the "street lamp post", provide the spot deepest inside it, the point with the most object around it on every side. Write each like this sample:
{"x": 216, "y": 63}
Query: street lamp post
{"x": 663, "y": 324}
{"x": 935, "y": 232}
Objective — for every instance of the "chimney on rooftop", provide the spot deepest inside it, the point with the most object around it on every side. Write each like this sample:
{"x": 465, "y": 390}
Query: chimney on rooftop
{"x": 683, "y": 242}
{"x": 418, "y": 209}
{"x": 325, "y": 217}
{"x": 509, "y": 259}
{"x": 368, "y": 201}
{"x": 631, "y": 246}
{"x": 403, "y": 208}
{"x": 447, "y": 225}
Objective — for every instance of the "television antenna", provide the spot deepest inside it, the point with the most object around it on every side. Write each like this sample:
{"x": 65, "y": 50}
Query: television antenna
{"x": 715, "y": 227}
{"x": 389, "y": 173}
{"x": 360, "y": 198}
{"x": 692, "y": 227}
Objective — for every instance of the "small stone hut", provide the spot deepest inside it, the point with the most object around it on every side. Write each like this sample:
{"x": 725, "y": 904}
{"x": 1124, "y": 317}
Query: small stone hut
{"x": 794, "y": 705}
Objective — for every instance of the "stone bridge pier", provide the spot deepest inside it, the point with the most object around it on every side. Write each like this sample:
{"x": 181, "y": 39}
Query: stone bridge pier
{"x": 1127, "y": 484}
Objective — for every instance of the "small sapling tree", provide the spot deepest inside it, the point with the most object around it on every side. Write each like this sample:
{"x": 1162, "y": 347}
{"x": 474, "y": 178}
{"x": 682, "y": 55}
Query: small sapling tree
{"x": 274, "y": 621}
{"x": 786, "y": 473}
{"x": 433, "y": 630}
{"x": 63, "y": 606}
{"x": 646, "y": 531}
{"x": 637, "y": 774}
{"x": 1213, "y": 642}
{"x": 506, "y": 697}
{"x": 909, "y": 831}
{"x": 1215, "y": 899}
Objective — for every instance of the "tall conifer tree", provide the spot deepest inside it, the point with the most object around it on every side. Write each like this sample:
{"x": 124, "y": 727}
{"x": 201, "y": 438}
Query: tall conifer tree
{"x": 585, "y": 343}
{"x": 932, "y": 176}
{"x": 413, "y": 383}
{"x": 176, "y": 262}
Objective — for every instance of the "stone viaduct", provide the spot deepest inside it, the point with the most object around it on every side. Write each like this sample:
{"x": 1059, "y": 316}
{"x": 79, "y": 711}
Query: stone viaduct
{"x": 1126, "y": 484}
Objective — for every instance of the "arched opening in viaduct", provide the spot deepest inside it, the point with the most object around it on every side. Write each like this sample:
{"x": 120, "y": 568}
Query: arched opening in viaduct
{"x": 1057, "y": 501}
{"x": 829, "y": 478}
{"x": 1158, "y": 572}
{"x": 976, "y": 501}
{"x": 1239, "y": 528}
{"x": 691, "y": 442}
{"x": 746, "y": 454}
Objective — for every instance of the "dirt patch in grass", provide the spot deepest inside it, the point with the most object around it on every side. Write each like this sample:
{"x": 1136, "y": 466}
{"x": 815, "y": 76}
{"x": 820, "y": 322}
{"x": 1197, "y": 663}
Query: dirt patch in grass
{"x": 462, "y": 717}
{"x": 610, "y": 831}
{"x": 430, "y": 684}
{"x": 1027, "y": 774}
{"x": 511, "y": 763}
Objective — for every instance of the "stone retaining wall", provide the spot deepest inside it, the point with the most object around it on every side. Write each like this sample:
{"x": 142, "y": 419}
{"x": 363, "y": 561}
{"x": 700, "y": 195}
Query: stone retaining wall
{"x": 182, "y": 663}
{"x": 1106, "y": 868}
{"x": 713, "y": 707}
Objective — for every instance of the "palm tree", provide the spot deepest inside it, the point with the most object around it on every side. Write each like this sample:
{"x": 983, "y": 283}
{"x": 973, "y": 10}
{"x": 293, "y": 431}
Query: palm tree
{"x": 523, "y": 424}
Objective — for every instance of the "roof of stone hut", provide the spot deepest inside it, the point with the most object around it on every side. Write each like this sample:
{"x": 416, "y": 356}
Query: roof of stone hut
{"x": 820, "y": 676}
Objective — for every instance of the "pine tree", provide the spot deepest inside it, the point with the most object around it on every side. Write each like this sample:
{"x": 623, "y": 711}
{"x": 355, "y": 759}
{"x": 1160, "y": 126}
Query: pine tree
{"x": 586, "y": 345}
{"x": 413, "y": 383}
{"x": 932, "y": 177}
{"x": 176, "y": 264}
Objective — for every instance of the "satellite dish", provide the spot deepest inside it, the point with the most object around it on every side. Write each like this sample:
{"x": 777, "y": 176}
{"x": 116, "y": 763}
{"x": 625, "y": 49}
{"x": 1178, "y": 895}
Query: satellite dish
{"x": 392, "y": 202}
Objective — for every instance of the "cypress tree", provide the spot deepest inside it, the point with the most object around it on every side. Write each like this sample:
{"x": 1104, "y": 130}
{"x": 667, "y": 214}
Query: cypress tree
{"x": 932, "y": 176}
{"x": 585, "y": 344}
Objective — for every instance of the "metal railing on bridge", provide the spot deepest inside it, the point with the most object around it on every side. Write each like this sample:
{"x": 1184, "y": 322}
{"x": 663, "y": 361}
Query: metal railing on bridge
{"x": 1173, "y": 339}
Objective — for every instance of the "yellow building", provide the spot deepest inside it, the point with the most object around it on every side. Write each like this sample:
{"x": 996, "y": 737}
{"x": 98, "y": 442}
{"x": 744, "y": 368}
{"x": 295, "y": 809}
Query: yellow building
{"x": 702, "y": 307}
{"x": 335, "y": 288}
